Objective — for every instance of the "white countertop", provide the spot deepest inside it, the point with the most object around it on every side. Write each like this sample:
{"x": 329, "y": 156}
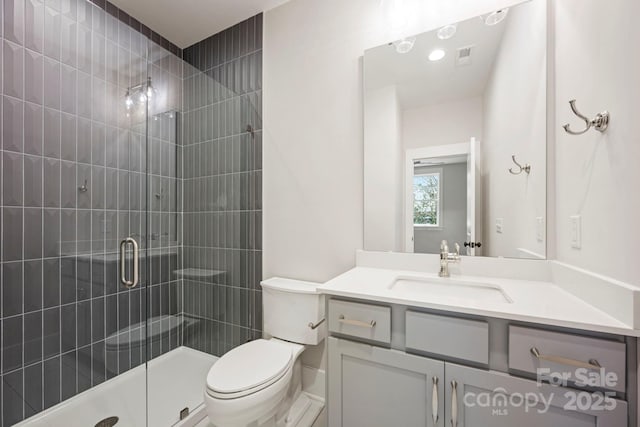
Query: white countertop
{"x": 534, "y": 301}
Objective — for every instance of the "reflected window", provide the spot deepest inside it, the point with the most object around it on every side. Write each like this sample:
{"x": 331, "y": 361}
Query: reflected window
{"x": 426, "y": 199}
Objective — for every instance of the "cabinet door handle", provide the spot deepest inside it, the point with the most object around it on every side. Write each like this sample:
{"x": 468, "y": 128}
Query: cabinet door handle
{"x": 591, "y": 364}
{"x": 454, "y": 404}
{"x": 434, "y": 401}
{"x": 360, "y": 323}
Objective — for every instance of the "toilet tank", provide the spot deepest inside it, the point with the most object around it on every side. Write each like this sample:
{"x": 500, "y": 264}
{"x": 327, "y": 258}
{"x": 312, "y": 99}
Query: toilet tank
{"x": 289, "y": 306}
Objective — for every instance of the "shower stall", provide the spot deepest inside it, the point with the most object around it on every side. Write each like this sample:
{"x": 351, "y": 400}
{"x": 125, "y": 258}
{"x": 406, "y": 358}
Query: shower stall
{"x": 130, "y": 205}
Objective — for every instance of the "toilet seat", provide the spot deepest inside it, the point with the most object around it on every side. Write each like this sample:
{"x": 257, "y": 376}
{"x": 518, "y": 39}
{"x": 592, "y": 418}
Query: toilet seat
{"x": 249, "y": 368}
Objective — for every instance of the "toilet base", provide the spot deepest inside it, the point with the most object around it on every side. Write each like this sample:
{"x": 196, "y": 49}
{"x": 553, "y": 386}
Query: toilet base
{"x": 303, "y": 412}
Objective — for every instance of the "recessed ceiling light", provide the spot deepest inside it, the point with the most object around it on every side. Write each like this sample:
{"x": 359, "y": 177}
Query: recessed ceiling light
{"x": 436, "y": 55}
{"x": 405, "y": 45}
{"x": 496, "y": 17}
{"x": 447, "y": 31}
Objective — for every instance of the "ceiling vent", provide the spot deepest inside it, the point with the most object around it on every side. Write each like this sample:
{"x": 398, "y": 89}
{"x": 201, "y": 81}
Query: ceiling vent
{"x": 463, "y": 56}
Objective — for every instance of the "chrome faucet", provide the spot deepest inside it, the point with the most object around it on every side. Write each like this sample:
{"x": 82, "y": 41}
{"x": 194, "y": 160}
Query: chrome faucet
{"x": 446, "y": 258}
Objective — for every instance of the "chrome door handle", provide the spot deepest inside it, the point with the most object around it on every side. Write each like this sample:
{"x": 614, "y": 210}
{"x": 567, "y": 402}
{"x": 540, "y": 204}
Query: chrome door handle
{"x": 434, "y": 401}
{"x": 454, "y": 404}
{"x": 591, "y": 364}
{"x": 360, "y": 323}
{"x": 123, "y": 263}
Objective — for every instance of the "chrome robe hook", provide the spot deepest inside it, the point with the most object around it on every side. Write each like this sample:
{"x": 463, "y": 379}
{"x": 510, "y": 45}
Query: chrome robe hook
{"x": 526, "y": 167}
{"x": 600, "y": 122}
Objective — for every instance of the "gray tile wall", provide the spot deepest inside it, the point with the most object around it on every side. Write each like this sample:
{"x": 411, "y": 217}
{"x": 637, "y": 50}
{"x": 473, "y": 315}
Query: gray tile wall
{"x": 66, "y": 66}
{"x": 222, "y": 180}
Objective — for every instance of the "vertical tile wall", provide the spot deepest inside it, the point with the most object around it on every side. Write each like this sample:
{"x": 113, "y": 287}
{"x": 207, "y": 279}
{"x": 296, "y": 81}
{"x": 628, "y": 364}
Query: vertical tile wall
{"x": 66, "y": 66}
{"x": 223, "y": 188}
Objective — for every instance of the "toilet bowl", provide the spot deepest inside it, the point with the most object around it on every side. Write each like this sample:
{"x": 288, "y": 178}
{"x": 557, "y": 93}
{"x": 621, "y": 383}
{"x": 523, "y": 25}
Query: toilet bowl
{"x": 241, "y": 391}
{"x": 256, "y": 384}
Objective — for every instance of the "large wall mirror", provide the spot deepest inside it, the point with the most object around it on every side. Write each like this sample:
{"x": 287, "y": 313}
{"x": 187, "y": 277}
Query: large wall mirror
{"x": 455, "y": 137}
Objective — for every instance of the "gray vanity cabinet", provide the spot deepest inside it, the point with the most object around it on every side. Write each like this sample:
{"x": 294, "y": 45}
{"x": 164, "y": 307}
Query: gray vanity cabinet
{"x": 481, "y": 399}
{"x": 377, "y": 387}
{"x": 444, "y": 370}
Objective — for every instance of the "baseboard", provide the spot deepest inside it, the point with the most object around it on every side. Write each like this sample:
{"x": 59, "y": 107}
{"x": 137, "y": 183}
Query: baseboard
{"x": 314, "y": 381}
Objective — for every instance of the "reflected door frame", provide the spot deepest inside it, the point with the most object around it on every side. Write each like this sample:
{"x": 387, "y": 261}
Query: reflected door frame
{"x": 435, "y": 151}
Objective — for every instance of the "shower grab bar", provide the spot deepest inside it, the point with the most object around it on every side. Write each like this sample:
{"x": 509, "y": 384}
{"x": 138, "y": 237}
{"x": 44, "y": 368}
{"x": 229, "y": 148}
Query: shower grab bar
{"x": 123, "y": 263}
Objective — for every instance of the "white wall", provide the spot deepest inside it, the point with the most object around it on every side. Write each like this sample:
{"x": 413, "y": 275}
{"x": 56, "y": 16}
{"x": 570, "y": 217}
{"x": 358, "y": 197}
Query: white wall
{"x": 383, "y": 169}
{"x": 313, "y": 133}
{"x": 313, "y": 142}
{"x": 447, "y": 123}
{"x": 515, "y": 124}
{"x": 598, "y": 63}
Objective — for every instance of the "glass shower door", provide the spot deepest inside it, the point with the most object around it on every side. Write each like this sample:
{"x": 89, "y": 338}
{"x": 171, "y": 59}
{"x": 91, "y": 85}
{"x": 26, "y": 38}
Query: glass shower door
{"x": 89, "y": 215}
{"x": 108, "y": 358}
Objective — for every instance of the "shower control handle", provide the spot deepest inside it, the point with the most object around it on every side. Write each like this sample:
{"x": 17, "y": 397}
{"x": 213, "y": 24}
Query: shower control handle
{"x": 123, "y": 263}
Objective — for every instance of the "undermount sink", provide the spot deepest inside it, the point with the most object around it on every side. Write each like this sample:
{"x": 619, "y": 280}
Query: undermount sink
{"x": 449, "y": 289}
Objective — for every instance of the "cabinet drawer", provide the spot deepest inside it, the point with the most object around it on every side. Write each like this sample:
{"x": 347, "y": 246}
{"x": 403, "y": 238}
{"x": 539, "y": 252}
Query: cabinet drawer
{"x": 571, "y": 355}
{"x": 462, "y": 339}
{"x": 371, "y": 322}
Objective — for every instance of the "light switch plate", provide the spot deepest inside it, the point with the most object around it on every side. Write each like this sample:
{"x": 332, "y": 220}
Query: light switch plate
{"x": 576, "y": 231}
{"x": 499, "y": 225}
{"x": 540, "y": 229}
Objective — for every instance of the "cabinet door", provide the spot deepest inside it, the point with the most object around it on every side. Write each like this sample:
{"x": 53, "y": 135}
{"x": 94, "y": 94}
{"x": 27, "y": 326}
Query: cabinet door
{"x": 375, "y": 387}
{"x": 478, "y": 398}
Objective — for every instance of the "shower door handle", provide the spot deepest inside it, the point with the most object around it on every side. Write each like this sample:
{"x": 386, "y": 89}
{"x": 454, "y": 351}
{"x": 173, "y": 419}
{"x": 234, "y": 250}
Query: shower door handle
{"x": 123, "y": 263}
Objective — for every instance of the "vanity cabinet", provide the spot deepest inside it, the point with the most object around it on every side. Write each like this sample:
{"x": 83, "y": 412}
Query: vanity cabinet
{"x": 422, "y": 377}
{"x": 377, "y": 387}
{"x": 480, "y": 398}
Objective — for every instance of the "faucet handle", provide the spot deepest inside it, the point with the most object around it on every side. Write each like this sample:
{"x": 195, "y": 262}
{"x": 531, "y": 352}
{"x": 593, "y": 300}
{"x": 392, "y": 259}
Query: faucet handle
{"x": 444, "y": 246}
{"x": 457, "y": 249}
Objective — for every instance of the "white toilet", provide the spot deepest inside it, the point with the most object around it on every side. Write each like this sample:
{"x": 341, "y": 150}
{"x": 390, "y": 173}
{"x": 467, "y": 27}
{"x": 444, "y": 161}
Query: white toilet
{"x": 258, "y": 384}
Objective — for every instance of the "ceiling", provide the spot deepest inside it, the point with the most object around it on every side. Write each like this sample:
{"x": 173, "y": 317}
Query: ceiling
{"x": 420, "y": 82}
{"x": 185, "y": 22}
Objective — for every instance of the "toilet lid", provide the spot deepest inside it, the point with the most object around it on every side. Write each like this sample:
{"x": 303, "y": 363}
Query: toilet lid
{"x": 249, "y": 366}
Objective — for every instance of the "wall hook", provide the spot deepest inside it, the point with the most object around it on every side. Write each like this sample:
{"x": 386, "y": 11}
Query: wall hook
{"x": 83, "y": 188}
{"x": 600, "y": 122}
{"x": 526, "y": 167}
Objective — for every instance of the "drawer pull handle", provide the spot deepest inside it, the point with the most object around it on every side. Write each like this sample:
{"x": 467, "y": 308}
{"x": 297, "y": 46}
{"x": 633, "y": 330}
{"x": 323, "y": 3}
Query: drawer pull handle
{"x": 360, "y": 323}
{"x": 591, "y": 364}
{"x": 454, "y": 404}
{"x": 434, "y": 401}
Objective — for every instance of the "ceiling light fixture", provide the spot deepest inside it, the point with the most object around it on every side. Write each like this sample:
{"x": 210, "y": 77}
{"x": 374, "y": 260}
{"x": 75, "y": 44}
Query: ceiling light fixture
{"x": 400, "y": 17}
{"x": 496, "y": 17}
{"x": 405, "y": 45}
{"x": 436, "y": 55}
{"x": 447, "y": 31}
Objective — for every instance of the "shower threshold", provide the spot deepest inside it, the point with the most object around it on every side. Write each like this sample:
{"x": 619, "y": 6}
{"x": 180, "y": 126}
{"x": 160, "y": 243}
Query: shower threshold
{"x": 175, "y": 382}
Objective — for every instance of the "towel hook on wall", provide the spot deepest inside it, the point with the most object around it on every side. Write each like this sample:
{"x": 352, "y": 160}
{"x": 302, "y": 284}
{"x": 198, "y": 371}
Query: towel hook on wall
{"x": 600, "y": 122}
{"x": 526, "y": 167}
